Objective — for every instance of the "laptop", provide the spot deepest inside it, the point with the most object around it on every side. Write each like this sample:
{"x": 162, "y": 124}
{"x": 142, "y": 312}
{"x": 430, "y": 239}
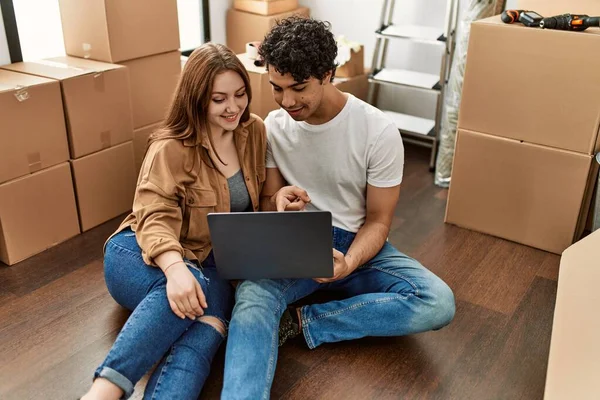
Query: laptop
{"x": 256, "y": 245}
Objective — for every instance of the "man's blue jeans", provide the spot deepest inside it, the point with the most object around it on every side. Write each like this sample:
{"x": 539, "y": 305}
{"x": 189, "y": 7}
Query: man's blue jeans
{"x": 153, "y": 332}
{"x": 391, "y": 295}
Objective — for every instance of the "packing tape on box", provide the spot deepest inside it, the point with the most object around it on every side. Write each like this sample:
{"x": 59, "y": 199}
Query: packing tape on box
{"x": 87, "y": 50}
{"x": 596, "y": 206}
{"x": 99, "y": 81}
{"x": 21, "y": 93}
{"x": 252, "y": 50}
{"x": 34, "y": 160}
{"x": 105, "y": 139}
{"x": 57, "y": 64}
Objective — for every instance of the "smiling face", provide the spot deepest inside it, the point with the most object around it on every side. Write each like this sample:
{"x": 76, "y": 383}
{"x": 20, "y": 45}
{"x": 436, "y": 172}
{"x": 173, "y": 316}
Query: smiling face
{"x": 300, "y": 99}
{"x": 228, "y": 101}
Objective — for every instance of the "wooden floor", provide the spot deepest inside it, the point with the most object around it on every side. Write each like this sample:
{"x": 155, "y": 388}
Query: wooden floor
{"x": 57, "y": 321}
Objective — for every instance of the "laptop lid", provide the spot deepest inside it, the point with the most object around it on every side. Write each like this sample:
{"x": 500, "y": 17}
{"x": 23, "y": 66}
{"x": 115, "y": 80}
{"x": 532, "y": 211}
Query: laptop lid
{"x": 256, "y": 245}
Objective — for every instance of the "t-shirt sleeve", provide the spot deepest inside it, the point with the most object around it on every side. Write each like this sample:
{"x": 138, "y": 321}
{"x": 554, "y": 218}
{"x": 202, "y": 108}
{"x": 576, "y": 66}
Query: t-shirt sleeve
{"x": 270, "y": 161}
{"x": 386, "y": 159}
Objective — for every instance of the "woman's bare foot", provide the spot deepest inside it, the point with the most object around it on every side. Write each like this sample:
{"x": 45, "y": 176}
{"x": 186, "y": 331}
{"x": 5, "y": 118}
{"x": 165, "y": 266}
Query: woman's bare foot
{"x": 103, "y": 390}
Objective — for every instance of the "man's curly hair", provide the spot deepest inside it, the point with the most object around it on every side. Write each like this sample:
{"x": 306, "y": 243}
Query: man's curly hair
{"x": 303, "y": 47}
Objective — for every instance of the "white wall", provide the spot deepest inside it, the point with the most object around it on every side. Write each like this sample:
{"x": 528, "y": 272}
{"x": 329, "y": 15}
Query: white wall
{"x": 40, "y": 29}
{"x": 218, "y": 14}
{"x": 4, "y": 54}
{"x": 190, "y": 24}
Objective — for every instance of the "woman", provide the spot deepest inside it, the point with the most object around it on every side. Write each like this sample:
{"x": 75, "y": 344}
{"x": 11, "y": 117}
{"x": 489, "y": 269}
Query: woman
{"x": 208, "y": 157}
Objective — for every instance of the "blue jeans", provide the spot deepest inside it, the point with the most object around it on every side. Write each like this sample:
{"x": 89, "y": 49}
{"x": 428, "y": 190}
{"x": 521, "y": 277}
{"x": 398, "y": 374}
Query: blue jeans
{"x": 391, "y": 295}
{"x": 153, "y": 332}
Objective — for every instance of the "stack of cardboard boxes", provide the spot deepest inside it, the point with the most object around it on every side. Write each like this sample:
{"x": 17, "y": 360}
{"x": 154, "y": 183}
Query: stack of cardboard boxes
{"x": 67, "y": 160}
{"x": 574, "y": 351}
{"x": 524, "y": 166}
{"x": 37, "y": 201}
{"x": 249, "y": 21}
{"x": 142, "y": 35}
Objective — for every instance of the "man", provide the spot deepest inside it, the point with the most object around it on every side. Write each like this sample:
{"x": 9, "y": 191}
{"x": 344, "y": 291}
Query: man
{"x": 329, "y": 151}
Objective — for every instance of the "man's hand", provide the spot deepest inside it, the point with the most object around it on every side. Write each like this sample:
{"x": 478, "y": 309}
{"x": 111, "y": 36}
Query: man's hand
{"x": 341, "y": 268}
{"x": 291, "y": 198}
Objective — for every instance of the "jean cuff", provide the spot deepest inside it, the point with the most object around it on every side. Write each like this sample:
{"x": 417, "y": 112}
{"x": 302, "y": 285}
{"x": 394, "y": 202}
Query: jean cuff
{"x": 118, "y": 379}
{"x": 305, "y": 332}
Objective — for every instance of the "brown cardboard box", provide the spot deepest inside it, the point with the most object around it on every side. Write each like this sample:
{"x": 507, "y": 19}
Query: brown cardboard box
{"x": 244, "y": 27}
{"x": 357, "y": 85}
{"x": 37, "y": 212}
{"x": 32, "y": 125}
{"x": 153, "y": 82}
{"x": 265, "y": 7}
{"x": 116, "y": 30}
{"x": 262, "y": 94}
{"x": 531, "y": 194}
{"x": 104, "y": 184}
{"x": 574, "y": 351}
{"x": 532, "y": 85}
{"x": 549, "y": 8}
{"x": 140, "y": 143}
{"x": 354, "y": 66}
{"x": 96, "y": 100}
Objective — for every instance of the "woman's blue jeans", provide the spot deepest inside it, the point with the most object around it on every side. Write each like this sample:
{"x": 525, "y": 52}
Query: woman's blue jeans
{"x": 185, "y": 348}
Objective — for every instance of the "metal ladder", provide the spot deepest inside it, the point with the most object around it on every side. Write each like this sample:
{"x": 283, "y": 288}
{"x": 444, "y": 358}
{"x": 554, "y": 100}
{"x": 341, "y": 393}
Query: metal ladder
{"x": 415, "y": 130}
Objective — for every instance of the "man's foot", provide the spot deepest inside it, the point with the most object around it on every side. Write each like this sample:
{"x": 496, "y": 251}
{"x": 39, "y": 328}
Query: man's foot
{"x": 289, "y": 326}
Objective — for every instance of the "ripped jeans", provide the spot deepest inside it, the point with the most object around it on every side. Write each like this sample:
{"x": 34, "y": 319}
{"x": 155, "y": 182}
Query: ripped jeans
{"x": 153, "y": 333}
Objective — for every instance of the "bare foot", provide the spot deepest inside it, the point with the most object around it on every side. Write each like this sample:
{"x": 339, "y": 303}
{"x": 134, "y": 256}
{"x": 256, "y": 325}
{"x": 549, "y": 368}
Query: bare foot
{"x": 103, "y": 389}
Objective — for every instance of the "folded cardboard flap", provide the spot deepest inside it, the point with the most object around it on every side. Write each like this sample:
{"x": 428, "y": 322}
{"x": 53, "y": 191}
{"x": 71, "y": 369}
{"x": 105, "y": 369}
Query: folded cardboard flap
{"x": 574, "y": 358}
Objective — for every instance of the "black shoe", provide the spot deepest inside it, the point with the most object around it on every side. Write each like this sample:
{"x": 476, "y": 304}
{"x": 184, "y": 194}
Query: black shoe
{"x": 288, "y": 326}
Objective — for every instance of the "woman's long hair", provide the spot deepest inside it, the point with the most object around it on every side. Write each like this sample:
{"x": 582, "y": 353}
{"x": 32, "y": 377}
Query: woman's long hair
{"x": 187, "y": 114}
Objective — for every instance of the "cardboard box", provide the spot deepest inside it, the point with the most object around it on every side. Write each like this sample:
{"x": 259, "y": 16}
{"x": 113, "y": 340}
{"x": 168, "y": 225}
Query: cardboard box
{"x": 96, "y": 100}
{"x": 530, "y": 194}
{"x": 32, "y": 123}
{"x": 265, "y": 7}
{"x": 116, "y": 30}
{"x": 593, "y": 221}
{"x": 244, "y": 27}
{"x": 574, "y": 351}
{"x": 354, "y": 66}
{"x": 529, "y": 85}
{"x": 549, "y": 8}
{"x": 153, "y": 82}
{"x": 37, "y": 212}
{"x": 140, "y": 144}
{"x": 262, "y": 93}
{"x": 357, "y": 85}
{"x": 104, "y": 184}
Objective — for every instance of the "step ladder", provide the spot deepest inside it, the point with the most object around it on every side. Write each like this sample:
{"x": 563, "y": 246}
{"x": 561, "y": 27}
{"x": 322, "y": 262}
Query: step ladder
{"x": 415, "y": 130}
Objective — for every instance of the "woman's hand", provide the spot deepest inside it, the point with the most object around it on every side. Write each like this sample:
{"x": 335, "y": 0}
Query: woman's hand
{"x": 185, "y": 294}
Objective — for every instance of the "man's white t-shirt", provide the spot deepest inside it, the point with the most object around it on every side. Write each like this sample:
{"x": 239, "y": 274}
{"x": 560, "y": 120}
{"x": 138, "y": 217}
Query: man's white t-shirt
{"x": 336, "y": 160}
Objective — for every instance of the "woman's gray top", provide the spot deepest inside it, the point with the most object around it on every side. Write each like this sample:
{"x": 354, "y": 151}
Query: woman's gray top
{"x": 239, "y": 199}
